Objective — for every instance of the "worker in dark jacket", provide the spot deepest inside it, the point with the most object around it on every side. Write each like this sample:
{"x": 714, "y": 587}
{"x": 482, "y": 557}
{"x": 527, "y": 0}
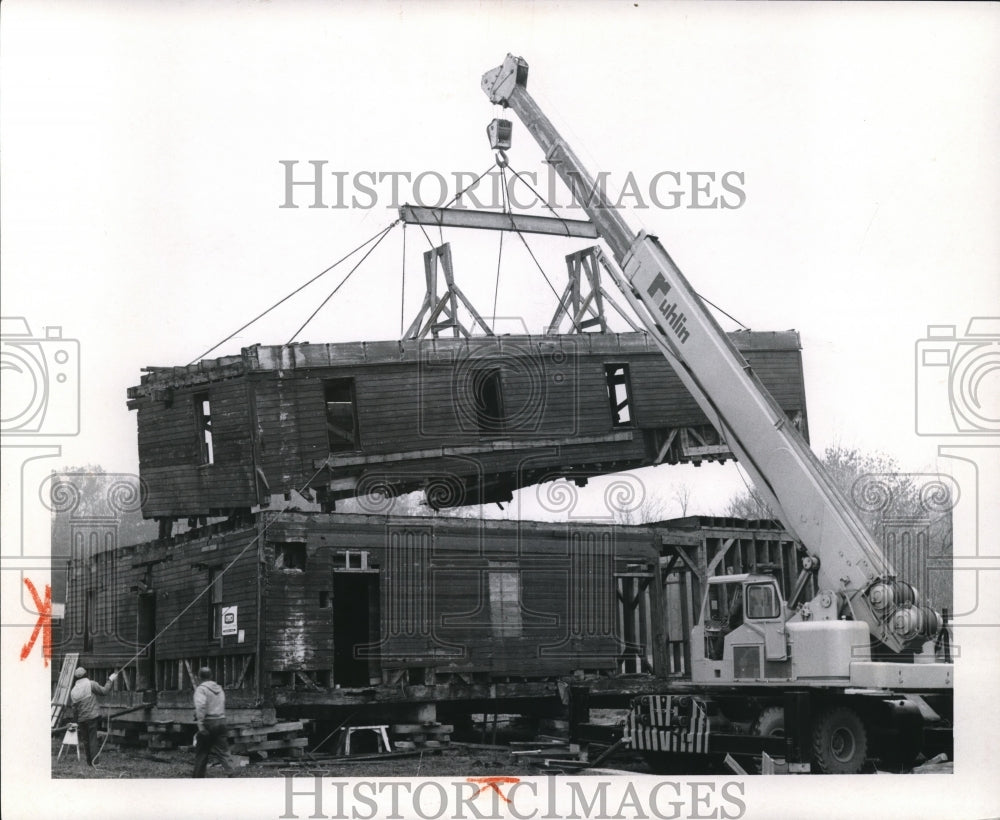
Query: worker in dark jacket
{"x": 85, "y": 709}
{"x": 210, "y": 712}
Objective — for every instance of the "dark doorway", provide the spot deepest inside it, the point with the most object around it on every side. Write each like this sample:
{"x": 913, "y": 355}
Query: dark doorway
{"x": 88, "y": 622}
{"x": 145, "y": 632}
{"x": 355, "y": 627}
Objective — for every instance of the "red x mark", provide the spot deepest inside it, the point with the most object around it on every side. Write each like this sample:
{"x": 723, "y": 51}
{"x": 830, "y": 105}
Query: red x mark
{"x": 43, "y": 624}
{"x": 493, "y": 783}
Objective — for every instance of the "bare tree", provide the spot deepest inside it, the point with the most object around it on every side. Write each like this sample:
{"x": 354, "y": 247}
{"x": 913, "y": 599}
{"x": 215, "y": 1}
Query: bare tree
{"x": 682, "y": 495}
{"x": 749, "y": 505}
{"x": 653, "y": 508}
{"x": 873, "y": 483}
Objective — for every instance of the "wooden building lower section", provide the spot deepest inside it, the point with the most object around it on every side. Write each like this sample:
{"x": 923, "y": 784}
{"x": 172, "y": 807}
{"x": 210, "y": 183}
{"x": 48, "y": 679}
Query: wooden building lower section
{"x": 306, "y": 612}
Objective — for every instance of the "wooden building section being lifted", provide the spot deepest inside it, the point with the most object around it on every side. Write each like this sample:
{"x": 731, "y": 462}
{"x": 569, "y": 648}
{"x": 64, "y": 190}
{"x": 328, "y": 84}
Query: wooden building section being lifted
{"x": 305, "y": 612}
{"x": 466, "y": 420}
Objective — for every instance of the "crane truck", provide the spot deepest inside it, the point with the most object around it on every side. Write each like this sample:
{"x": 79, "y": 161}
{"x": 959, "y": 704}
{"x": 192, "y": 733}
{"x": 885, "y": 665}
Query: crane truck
{"x": 849, "y": 666}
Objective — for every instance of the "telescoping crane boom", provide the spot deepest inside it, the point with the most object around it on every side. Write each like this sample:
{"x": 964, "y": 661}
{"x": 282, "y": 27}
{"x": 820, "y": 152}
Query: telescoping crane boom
{"x": 841, "y": 552}
{"x": 811, "y": 671}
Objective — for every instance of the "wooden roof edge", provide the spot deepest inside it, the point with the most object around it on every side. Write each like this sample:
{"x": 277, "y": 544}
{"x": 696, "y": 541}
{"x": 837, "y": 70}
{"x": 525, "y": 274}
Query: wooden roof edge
{"x": 306, "y": 355}
{"x": 456, "y": 524}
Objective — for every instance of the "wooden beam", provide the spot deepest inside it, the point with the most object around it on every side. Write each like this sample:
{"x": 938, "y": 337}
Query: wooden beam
{"x": 338, "y": 460}
{"x": 243, "y": 673}
{"x": 496, "y": 221}
{"x": 190, "y": 672}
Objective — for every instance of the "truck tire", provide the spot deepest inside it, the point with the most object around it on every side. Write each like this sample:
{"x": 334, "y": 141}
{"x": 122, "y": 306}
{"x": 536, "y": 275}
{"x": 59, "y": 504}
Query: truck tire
{"x": 840, "y": 742}
{"x": 769, "y": 723}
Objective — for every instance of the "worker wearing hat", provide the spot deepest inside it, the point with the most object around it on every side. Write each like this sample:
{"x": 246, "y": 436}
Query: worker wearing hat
{"x": 84, "y": 700}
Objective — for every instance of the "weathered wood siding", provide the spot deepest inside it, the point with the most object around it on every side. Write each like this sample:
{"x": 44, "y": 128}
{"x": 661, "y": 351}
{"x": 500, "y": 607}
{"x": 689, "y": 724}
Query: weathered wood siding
{"x": 495, "y": 599}
{"x": 436, "y": 606}
{"x": 170, "y": 456}
{"x": 416, "y": 416}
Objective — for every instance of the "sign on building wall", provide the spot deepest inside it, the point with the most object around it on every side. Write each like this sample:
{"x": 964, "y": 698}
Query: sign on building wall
{"x": 229, "y": 620}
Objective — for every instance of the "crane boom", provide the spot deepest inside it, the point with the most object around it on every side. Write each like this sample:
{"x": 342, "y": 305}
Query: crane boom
{"x": 843, "y": 554}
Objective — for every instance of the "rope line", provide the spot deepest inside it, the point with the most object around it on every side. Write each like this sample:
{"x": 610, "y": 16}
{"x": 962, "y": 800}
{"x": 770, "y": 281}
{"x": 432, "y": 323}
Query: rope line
{"x": 201, "y": 594}
{"x": 368, "y": 253}
{"x": 223, "y": 571}
{"x": 729, "y": 315}
{"x": 287, "y": 297}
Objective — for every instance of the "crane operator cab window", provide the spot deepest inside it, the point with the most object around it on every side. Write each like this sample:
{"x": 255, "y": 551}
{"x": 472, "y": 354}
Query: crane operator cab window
{"x": 762, "y": 602}
{"x": 725, "y": 613}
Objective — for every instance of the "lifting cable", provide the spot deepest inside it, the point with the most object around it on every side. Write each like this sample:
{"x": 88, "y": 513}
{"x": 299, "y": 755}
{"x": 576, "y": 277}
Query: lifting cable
{"x": 290, "y": 295}
{"x": 402, "y": 288}
{"x": 505, "y": 207}
{"x": 383, "y": 235}
{"x": 503, "y": 177}
{"x": 449, "y": 203}
{"x": 557, "y": 216}
{"x": 496, "y": 286}
{"x": 729, "y": 315}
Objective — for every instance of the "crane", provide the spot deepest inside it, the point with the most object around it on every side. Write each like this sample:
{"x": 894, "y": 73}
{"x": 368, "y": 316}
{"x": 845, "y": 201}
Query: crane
{"x": 824, "y": 643}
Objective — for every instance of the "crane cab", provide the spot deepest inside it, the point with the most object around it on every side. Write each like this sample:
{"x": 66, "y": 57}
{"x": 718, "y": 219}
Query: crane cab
{"x": 741, "y": 634}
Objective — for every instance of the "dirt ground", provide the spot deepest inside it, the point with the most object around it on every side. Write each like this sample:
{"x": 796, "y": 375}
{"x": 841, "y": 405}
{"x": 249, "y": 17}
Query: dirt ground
{"x": 142, "y": 763}
{"x": 454, "y": 761}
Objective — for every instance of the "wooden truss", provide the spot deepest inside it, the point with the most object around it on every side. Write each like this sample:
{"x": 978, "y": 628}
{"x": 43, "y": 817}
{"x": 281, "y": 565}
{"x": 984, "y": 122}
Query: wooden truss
{"x": 442, "y": 310}
{"x": 583, "y": 300}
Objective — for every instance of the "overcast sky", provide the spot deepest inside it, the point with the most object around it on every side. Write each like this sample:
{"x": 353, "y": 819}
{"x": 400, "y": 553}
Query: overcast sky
{"x": 142, "y": 148}
{"x": 142, "y": 178}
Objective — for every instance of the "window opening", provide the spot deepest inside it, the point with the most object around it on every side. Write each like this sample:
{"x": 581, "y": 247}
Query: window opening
{"x": 619, "y": 394}
{"x": 341, "y": 415}
{"x": 488, "y": 400}
{"x": 290, "y": 555}
{"x": 762, "y": 602}
{"x": 203, "y": 414}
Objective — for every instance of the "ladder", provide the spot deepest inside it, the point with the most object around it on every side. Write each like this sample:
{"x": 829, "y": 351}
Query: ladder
{"x": 61, "y": 694}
